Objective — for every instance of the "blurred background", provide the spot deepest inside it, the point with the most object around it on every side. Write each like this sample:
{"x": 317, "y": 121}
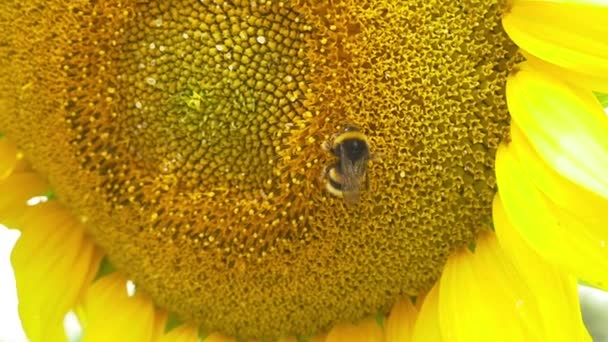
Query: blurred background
{"x": 594, "y": 302}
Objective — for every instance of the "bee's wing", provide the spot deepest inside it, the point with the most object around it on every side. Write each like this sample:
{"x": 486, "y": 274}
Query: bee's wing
{"x": 350, "y": 198}
{"x": 353, "y": 174}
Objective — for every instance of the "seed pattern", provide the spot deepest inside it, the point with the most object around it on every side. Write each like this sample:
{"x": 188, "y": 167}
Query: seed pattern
{"x": 187, "y": 134}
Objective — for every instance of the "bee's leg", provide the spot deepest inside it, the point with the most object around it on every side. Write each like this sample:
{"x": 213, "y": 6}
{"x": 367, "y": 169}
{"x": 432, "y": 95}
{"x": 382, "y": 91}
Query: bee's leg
{"x": 367, "y": 181}
{"x": 326, "y": 146}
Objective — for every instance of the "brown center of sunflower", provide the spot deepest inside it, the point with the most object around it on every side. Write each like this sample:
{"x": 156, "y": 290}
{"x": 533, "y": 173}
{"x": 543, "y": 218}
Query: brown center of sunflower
{"x": 187, "y": 134}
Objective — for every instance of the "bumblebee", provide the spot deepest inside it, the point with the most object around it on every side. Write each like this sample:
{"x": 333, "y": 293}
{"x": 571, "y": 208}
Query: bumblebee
{"x": 346, "y": 177}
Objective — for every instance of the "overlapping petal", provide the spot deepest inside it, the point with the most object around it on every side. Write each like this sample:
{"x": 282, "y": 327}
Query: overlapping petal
{"x": 482, "y": 297}
{"x": 587, "y": 205}
{"x": 571, "y": 34}
{"x": 111, "y": 314}
{"x": 576, "y": 148}
{"x": 367, "y": 330}
{"x": 8, "y": 157}
{"x": 53, "y": 262}
{"x": 160, "y": 323}
{"x": 15, "y": 191}
{"x": 565, "y": 125}
{"x": 506, "y": 293}
{"x": 555, "y": 233}
{"x": 596, "y": 83}
{"x": 554, "y": 290}
{"x": 400, "y": 323}
{"x": 427, "y": 323}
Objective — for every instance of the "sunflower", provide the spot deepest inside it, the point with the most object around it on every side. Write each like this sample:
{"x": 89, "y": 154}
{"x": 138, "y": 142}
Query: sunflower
{"x": 178, "y": 146}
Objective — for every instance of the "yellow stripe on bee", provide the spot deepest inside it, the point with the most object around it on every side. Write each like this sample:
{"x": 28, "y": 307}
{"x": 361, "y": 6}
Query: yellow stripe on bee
{"x": 333, "y": 191}
{"x": 350, "y": 135}
{"x": 335, "y": 176}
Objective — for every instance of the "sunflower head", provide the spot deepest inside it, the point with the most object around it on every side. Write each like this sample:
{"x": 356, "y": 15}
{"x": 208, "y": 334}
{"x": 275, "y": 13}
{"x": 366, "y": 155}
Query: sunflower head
{"x": 187, "y": 137}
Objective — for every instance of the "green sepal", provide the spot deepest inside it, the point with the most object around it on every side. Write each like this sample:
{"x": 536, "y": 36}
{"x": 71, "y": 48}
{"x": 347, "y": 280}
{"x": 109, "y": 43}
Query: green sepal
{"x": 380, "y": 318}
{"x": 173, "y": 321}
{"x": 50, "y": 194}
{"x": 105, "y": 268}
{"x": 471, "y": 246}
{"x": 603, "y": 98}
{"x": 202, "y": 334}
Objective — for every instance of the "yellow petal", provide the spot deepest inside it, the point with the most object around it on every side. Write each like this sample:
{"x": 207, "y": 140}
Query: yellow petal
{"x": 318, "y": 338}
{"x": 8, "y": 157}
{"x": 15, "y": 191}
{"x": 11, "y": 159}
{"x": 367, "y": 330}
{"x": 571, "y": 34}
{"x": 555, "y": 233}
{"x": 400, "y": 322}
{"x": 288, "y": 339}
{"x": 593, "y": 82}
{"x": 427, "y": 323}
{"x": 566, "y": 126}
{"x": 160, "y": 322}
{"x": 111, "y": 313}
{"x": 483, "y": 298}
{"x": 555, "y": 291}
{"x": 588, "y": 205}
{"x": 52, "y": 260}
{"x": 182, "y": 333}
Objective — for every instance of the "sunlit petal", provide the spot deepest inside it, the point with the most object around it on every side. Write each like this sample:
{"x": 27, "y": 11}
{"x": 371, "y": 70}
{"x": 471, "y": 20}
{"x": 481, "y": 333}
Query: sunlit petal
{"x": 555, "y": 291}
{"x": 565, "y": 125}
{"x": 593, "y": 82}
{"x": 553, "y": 232}
{"x": 53, "y": 261}
{"x": 401, "y": 321}
{"x": 160, "y": 324}
{"x": 427, "y": 323}
{"x": 15, "y": 191}
{"x": 111, "y": 312}
{"x": 8, "y": 157}
{"x": 467, "y": 283}
{"x": 588, "y": 205}
{"x": 571, "y": 34}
